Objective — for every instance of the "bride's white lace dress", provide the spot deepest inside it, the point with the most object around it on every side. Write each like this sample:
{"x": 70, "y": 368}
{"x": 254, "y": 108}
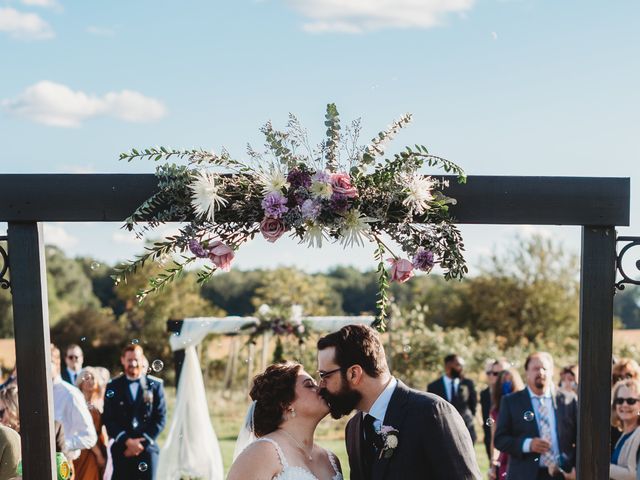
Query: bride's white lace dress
{"x": 292, "y": 472}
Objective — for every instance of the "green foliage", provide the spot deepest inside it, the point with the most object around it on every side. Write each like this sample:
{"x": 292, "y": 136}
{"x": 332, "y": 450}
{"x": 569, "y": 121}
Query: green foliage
{"x": 626, "y": 306}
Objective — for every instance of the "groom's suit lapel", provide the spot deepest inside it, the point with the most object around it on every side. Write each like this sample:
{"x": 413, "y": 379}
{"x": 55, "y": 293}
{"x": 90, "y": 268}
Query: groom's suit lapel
{"x": 394, "y": 417}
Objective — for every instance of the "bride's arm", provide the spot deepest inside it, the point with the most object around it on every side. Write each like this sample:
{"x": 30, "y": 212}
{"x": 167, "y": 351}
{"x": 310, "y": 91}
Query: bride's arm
{"x": 258, "y": 462}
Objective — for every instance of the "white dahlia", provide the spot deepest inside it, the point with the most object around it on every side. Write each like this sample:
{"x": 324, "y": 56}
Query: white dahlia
{"x": 204, "y": 195}
{"x": 273, "y": 180}
{"x": 355, "y": 228}
{"x": 418, "y": 190}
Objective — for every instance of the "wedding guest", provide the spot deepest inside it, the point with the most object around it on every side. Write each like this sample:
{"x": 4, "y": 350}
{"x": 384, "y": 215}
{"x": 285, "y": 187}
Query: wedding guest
{"x": 622, "y": 369}
{"x": 569, "y": 379}
{"x": 536, "y": 427}
{"x": 74, "y": 359}
{"x": 10, "y": 452}
{"x": 70, "y": 409}
{"x": 10, "y": 416}
{"x": 625, "y": 416}
{"x": 134, "y": 414}
{"x": 459, "y": 391}
{"x": 507, "y": 382}
{"x": 11, "y": 379}
{"x": 91, "y": 463}
{"x": 492, "y": 370}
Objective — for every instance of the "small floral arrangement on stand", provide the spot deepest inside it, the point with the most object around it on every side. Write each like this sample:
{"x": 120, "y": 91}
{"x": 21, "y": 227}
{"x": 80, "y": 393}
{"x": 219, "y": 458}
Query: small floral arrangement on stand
{"x": 278, "y": 321}
{"x": 338, "y": 191}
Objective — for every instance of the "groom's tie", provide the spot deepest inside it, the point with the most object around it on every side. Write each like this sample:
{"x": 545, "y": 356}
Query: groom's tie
{"x": 369, "y": 451}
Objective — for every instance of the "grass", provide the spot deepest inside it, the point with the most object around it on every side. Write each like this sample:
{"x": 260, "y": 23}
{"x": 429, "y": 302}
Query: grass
{"x": 227, "y": 416}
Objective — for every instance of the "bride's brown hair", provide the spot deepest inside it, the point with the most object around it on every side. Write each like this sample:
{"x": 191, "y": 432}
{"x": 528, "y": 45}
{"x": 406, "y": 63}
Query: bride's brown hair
{"x": 273, "y": 391}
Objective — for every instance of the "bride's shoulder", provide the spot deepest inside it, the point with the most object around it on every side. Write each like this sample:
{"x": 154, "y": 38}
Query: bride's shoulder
{"x": 259, "y": 460}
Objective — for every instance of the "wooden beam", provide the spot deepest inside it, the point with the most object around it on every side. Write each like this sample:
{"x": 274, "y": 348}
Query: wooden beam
{"x": 597, "y": 277}
{"x": 484, "y": 199}
{"x": 33, "y": 349}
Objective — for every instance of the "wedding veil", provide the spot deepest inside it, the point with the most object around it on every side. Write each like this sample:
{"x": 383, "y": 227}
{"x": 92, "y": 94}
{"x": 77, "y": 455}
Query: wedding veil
{"x": 246, "y": 435}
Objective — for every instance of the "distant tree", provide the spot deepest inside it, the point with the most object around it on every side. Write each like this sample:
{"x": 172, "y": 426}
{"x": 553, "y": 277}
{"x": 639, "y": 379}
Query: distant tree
{"x": 357, "y": 289}
{"x": 233, "y": 291}
{"x": 626, "y": 306}
{"x": 97, "y": 332}
{"x": 288, "y": 286}
{"x": 146, "y": 321}
{"x": 528, "y": 291}
{"x": 68, "y": 287}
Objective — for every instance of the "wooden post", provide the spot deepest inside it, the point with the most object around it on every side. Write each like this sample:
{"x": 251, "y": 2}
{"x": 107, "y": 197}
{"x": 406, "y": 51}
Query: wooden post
{"x": 33, "y": 349}
{"x": 597, "y": 278}
{"x": 265, "y": 350}
{"x": 252, "y": 348}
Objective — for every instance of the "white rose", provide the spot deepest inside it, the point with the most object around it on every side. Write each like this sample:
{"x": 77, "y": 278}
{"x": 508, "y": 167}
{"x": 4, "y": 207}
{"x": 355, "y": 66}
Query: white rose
{"x": 392, "y": 441}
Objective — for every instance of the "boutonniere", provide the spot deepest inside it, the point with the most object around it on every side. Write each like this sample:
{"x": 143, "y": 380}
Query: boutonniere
{"x": 389, "y": 437}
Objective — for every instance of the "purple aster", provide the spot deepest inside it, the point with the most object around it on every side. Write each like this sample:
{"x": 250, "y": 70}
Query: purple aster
{"x": 297, "y": 178}
{"x": 197, "y": 249}
{"x": 321, "y": 176}
{"x": 310, "y": 209}
{"x": 274, "y": 205}
{"x": 339, "y": 202}
{"x": 423, "y": 260}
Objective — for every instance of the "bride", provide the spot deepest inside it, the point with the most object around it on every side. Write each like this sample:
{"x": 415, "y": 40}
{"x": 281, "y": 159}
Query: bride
{"x": 287, "y": 410}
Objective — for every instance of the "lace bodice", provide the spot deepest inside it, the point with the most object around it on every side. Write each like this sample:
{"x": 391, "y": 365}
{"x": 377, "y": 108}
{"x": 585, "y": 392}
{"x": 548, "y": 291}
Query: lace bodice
{"x": 292, "y": 472}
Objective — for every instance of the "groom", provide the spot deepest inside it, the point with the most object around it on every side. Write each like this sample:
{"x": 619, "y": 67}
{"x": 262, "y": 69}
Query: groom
{"x": 397, "y": 433}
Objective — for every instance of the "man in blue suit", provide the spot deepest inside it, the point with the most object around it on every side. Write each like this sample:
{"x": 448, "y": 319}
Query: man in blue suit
{"x": 134, "y": 415}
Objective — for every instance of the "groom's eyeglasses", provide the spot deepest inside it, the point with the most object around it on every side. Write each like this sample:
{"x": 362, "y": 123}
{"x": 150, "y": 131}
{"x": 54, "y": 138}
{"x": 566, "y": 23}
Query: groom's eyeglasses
{"x": 324, "y": 375}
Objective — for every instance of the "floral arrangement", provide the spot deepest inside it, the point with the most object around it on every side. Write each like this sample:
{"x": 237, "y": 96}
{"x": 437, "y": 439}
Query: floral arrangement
{"x": 388, "y": 441}
{"x": 278, "y": 321}
{"x": 338, "y": 191}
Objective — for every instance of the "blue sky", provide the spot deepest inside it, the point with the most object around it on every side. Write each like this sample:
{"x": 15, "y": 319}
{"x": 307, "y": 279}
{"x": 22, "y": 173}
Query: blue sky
{"x": 516, "y": 87}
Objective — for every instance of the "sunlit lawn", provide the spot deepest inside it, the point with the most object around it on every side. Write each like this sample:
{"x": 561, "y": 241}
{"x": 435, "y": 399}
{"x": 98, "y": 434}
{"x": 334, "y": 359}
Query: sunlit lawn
{"x": 227, "y": 416}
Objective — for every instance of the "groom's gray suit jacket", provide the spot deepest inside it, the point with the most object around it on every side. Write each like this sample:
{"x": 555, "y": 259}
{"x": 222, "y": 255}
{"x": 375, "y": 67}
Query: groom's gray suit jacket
{"x": 433, "y": 442}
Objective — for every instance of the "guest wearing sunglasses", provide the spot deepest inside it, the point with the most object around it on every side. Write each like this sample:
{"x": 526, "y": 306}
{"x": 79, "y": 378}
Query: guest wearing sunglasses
{"x": 73, "y": 359}
{"x": 625, "y": 415}
{"x": 492, "y": 369}
{"x": 622, "y": 369}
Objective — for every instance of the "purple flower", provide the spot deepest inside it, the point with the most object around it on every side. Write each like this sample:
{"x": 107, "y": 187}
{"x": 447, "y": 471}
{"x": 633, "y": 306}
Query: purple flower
{"x": 197, "y": 249}
{"x": 297, "y": 178}
{"x": 274, "y": 205}
{"x": 339, "y": 202}
{"x": 321, "y": 176}
{"x": 423, "y": 260}
{"x": 310, "y": 209}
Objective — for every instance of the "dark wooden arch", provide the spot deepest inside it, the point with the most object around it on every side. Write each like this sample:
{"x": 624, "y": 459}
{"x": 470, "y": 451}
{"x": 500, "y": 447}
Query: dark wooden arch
{"x": 598, "y": 205}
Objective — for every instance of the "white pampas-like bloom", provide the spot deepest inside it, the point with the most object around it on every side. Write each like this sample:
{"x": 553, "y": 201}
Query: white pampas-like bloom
{"x": 273, "y": 180}
{"x": 314, "y": 235}
{"x": 204, "y": 195}
{"x": 418, "y": 189}
{"x": 354, "y": 228}
{"x": 321, "y": 190}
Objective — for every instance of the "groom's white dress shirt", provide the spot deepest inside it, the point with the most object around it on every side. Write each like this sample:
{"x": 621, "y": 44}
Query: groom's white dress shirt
{"x": 379, "y": 408}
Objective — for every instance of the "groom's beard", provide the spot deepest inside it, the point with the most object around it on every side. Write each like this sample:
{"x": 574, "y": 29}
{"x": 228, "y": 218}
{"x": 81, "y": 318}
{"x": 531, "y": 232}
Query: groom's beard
{"x": 343, "y": 402}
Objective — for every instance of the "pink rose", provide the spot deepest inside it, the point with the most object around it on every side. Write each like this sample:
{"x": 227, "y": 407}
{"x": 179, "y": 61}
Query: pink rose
{"x": 272, "y": 228}
{"x": 221, "y": 255}
{"x": 341, "y": 183}
{"x": 401, "y": 270}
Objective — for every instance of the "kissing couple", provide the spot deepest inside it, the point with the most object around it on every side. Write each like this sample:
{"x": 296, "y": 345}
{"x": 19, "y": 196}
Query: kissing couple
{"x": 396, "y": 433}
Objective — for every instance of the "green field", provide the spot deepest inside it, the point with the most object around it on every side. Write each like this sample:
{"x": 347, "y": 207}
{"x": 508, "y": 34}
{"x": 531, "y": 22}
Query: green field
{"x": 228, "y": 412}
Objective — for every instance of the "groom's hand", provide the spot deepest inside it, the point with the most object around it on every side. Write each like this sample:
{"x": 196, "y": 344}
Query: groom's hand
{"x": 540, "y": 445}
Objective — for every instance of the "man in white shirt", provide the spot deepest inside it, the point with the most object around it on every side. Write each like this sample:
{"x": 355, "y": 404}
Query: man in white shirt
{"x": 74, "y": 360}
{"x": 70, "y": 409}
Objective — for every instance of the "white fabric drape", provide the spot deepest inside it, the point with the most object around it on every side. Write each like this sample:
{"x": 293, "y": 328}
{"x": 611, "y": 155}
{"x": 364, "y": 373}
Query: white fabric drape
{"x": 191, "y": 448}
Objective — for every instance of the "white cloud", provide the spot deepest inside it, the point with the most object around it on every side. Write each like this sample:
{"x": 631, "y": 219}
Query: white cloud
{"x": 357, "y": 16}
{"x": 24, "y": 26}
{"x": 56, "y": 235}
{"x": 100, "y": 31}
{"x": 128, "y": 238}
{"x": 42, "y": 3}
{"x": 57, "y": 105}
